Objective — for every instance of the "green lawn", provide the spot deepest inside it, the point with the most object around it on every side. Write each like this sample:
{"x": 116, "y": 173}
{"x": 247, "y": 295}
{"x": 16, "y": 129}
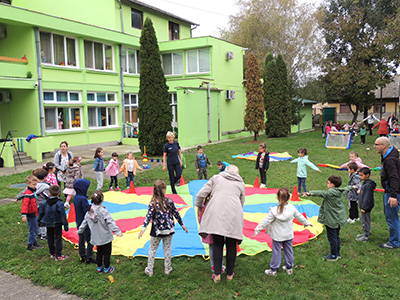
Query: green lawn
{"x": 365, "y": 271}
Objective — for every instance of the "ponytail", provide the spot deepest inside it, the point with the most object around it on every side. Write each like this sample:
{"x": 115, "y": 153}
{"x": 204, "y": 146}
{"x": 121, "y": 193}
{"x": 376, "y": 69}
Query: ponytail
{"x": 283, "y": 196}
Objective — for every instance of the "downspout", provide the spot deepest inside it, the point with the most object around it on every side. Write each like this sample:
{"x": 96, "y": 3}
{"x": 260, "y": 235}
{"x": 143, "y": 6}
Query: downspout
{"x": 208, "y": 111}
{"x": 121, "y": 76}
{"x": 122, "y": 19}
{"x": 40, "y": 88}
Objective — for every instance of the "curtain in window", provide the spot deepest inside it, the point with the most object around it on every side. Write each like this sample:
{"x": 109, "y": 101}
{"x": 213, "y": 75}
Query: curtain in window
{"x": 132, "y": 61}
{"x": 48, "y": 96}
{"x": 71, "y": 54}
{"x": 192, "y": 61}
{"x": 103, "y": 116}
{"x": 88, "y": 54}
{"x": 92, "y": 116}
{"x": 178, "y": 63}
{"x": 109, "y": 57}
{"x": 167, "y": 63}
{"x": 111, "y": 116}
{"x": 45, "y": 46}
{"x": 62, "y": 97}
{"x": 50, "y": 118}
{"x": 123, "y": 60}
{"x": 58, "y": 46}
{"x": 98, "y": 56}
{"x": 74, "y": 96}
{"x": 204, "y": 60}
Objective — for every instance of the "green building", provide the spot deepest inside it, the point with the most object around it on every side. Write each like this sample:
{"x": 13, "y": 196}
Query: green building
{"x": 70, "y": 71}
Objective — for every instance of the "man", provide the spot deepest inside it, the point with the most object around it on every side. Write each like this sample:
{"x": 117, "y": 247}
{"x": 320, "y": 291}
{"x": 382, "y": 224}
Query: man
{"x": 370, "y": 121}
{"x": 390, "y": 179}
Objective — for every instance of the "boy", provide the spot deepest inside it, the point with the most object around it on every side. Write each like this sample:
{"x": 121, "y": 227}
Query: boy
{"x": 366, "y": 204}
{"x": 29, "y": 211}
{"x": 332, "y": 213}
{"x": 52, "y": 215}
{"x": 201, "y": 163}
{"x": 222, "y": 165}
{"x": 363, "y": 133}
{"x": 352, "y": 196}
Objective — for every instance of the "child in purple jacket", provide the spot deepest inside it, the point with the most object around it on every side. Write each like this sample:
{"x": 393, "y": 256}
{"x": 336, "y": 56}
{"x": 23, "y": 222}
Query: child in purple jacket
{"x": 112, "y": 170}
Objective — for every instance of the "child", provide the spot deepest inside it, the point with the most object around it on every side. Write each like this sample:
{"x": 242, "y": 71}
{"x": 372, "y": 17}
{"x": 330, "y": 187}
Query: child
{"x": 262, "y": 163}
{"x": 354, "y": 158}
{"x": 98, "y": 167}
{"x": 29, "y": 211}
{"x": 366, "y": 202}
{"x": 51, "y": 176}
{"x": 201, "y": 163}
{"x": 279, "y": 224}
{"x": 74, "y": 172}
{"x": 363, "y": 133}
{"x": 129, "y": 167}
{"x": 222, "y": 165}
{"x": 81, "y": 204}
{"x": 42, "y": 193}
{"x": 161, "y": 211}
{"x": 112, "y": 170}
{"x": 332, "y": 213}
{"x": 396, "y": 129}
{"x": 302, "y": 163}
{"x": 346, "y": 127}
{"x": 101, "y": 226}
{"x": 52, "y": 215}
{"x": 352, "y": 196}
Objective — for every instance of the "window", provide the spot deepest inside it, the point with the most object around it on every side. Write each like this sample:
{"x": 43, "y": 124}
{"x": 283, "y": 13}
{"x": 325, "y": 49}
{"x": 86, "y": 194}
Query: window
{"x": 131, "y": 104}
{"x": 173, "y": 31}
{"x": 137, "y": 18}
{"x": 99, "y": 56}
{"x": 104, "y": 115}
{"x": 377, "y": 108}
{"x": 101, "y": 97}
{"x": 130, "y": 61}
{"x": 58, "y": 50}
{"x": 198, "y": 61}
{"x": 61, "y": 97}
{"x": 172, "y": 63}
{"x": 174, "y": 105}
{"x": 62, "y": 118}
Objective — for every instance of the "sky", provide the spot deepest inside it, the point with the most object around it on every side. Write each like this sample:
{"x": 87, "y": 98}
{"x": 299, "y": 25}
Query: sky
{"x": 210, "y": 14}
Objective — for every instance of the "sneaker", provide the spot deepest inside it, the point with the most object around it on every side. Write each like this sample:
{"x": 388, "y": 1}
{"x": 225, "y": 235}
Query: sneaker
{"x": 387, "y": 246}
{"x": 117, "y": 188}
{"x": 148, "y": 272}
{"x": 109, "y": 270}
{"x": 360, "y": 235}
{"x": 66, "y": 205}
{"x": 362, "y": 239}
{"x": 167, "y": 272}
{"x": 43, "y": 237}
{"x": 52, "y": 256}
{"x": 358, "y": 219}
{"x": 288, "y": 271}
{"x": 351, "y": 221}
{"x": 331, "y": 257}
{"x": 36, "y": 246}
{"x": 269, "y": 272}
{"x": 62, "y": 257}
{"x": 90, "y": 261}
{"x": 111, "y": 189}
{"x": 100, "y": 269}
{"x": 262, "y": 185}
{"x": 30, "y": 248}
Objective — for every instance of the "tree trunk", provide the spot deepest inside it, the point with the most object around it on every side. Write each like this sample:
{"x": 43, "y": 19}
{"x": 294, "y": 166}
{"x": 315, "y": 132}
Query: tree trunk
{"x": 355, "y": 114}
{"x": 255, "y": 136}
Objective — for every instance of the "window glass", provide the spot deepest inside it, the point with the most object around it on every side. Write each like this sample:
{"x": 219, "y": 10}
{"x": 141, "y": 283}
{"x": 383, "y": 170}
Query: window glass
{"x": 110, "y": 97}
{"x": 178, "y": 63}
{"x": 90, "y": 96}
{"x": 63, "y": 118}
{"x": 126, "y": 99}
{"x": 58, "y": 48}
{"x": 167, "y": 63}
{"x": 173, "y": 31}
{"x": 101, "y": 97}
{"x": 192, "y": 61}
{"x": 71, "y": 53}
{"x": 98, "y": 56}
{"x": 132, "y": 61}
{"x": 88, "y": 54}
{"x": 74, "y": 96}
{"x": 50, "y": 118}
{"x": 45, "y": 46}
{"x": 62, "y": 96}
{"x": 111, "y": 116}
{"x": 103, "y": 116}
{"x": 48, "y": 96}
{"x": 204, "y": 60}
{"x": 109, "y": 56}
{"x": 123, "y": 61}
{"x": 137, "y": 18}
{"x": 75, "y": 117}
{"x": 92, "y": 116}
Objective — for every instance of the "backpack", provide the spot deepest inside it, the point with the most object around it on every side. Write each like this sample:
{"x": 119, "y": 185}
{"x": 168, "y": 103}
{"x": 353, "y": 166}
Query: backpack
{"x": 202, "y": 161}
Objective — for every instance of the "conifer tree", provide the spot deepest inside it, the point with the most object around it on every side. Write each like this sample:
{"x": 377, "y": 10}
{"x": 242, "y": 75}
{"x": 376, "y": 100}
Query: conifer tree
{"x": 154, "y": 111}
{"x": 284, "y": 96}
{"x": 254, "y": 116}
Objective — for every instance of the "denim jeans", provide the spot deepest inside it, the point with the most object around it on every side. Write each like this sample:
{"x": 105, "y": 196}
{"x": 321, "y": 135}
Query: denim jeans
{"x": 33, "y": 230}
{"x": 301, "y": 181}
{"x": 392, "y": 219}
{"x": 334, "y": 239}
{"x": 129, "y": 179}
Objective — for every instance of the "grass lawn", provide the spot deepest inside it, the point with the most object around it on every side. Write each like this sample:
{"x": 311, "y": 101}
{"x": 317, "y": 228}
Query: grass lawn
{"x": 364, "y": 272}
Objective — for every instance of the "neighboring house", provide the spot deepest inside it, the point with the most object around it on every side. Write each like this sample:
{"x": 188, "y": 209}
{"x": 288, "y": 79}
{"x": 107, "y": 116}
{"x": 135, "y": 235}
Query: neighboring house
{"x": 307, "y": 111}
{"x": 78, "y": 79}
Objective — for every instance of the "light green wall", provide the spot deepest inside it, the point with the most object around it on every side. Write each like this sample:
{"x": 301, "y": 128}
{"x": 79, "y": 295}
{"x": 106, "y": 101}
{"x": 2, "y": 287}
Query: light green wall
{"x": 306, "y": 122}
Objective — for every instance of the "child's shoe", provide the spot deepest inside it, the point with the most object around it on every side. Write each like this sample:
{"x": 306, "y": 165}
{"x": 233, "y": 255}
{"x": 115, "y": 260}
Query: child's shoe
{"x": 288, "y": 271}
{"x": 83, "y": 259}
{"x": 109, "y": 270}
{"x": 350, "y": 221}
{"x": 262, "y": 185}
{"x": 30, "y": 248}
{"x": 148, "y": 272}
{"x": 167, "y": 272}
{"x": 36, "y": 246}
{"x": 111, "y": 189}
{"x": 117, "y": 188}
{"x": 62, "y": 257}
{"x": 360, "y": 235}
{"x": 331, "y": 257}
{"x": 43, "y": 237}
{"x": 52, "y": 256}
{"x": 90, "y": 261}
{"x": 269, "y": 272}
{"x": 362, "y": 239}
{"x": 100, "y": 269}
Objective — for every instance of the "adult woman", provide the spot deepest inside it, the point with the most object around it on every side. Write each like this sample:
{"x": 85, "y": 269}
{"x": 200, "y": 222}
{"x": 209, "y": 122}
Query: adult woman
{"x": 223, "y": 216}
{"x": 391, "y": 121}
{"x": 383, "y": 127}
{"x": 172, "y": 153}
{"x": 61, "y": 160}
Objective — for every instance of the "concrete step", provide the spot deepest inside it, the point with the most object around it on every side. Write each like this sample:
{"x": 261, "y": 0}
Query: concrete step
{"x": 26, "y": 160}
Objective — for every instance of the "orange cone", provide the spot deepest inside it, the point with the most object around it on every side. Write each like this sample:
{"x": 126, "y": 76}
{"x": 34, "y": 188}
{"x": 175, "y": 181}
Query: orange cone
{"x": 132, "y": 189}
{"x": 257, "y": 183}
{"x": 295, "y": 194}
{"x": 182, "y": 181}
{"x": 71, "y": 214}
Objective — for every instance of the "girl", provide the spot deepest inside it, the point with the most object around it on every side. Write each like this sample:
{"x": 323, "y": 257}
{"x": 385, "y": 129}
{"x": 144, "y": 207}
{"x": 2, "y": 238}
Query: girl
{"x": 363, "y": 133}
{"x": 98, "y": 167}
{"x": 280, "y": 228}
{"x": 129, "y": 167}
{"x": 112, "y": 170}
{"x": 51, "y": 176}
{"x": 262, "y": 164}
{"x": 101, "y": 226}
{"x": 302, "y": 163}
{"x": 161, "y": 212}
{"x": 74, "y": 172}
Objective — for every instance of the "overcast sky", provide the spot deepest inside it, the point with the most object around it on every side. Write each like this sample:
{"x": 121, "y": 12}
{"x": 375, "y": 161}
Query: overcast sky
{"x": 210, "y": 14}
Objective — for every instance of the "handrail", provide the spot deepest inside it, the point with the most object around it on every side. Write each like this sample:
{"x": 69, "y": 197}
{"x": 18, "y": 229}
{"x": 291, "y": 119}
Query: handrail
{"x": 14, "y": 60}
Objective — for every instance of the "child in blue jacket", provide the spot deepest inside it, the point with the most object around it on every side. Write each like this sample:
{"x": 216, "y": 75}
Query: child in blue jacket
{"x": 302, "y": 163}
{"x": 98, "y": 167}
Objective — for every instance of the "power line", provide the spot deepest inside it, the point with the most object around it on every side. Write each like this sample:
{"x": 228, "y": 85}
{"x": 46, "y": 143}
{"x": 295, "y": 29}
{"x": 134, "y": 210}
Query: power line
{"x": 196, "y": 8}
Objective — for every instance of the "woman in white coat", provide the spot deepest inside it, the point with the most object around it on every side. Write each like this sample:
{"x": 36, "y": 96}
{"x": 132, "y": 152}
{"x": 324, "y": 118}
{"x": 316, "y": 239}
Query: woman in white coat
{"x": 223, "y": 216}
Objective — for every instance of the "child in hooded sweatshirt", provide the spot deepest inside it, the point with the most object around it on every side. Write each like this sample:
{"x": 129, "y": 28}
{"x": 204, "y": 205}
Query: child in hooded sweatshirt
{"x": 52, "y": 215}
{"x": 74, "y": 172}
{"x": 81, "y": 204}
{"x": 101, "y": 226}
{"x": 302, "y": 163}
{"x": 354, "y": 158}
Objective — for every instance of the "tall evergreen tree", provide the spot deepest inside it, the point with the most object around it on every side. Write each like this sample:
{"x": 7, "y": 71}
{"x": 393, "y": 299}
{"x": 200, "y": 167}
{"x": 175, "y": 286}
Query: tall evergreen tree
{"x": 254, "y": 117}
{"x": 284, "y": 97}
{"x": 154, "y": 111}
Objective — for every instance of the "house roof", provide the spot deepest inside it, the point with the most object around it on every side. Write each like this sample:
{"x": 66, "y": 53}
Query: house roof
{"x": 391, "y": 90}
{"x": 163, "y": 12}
{"x": 305, "y": 101}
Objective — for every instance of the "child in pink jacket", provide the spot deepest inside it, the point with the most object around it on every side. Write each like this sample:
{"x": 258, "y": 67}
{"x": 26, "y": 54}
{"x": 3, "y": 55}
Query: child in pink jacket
{"x": 354, "y": 158}
{"x": 112, "y": 170}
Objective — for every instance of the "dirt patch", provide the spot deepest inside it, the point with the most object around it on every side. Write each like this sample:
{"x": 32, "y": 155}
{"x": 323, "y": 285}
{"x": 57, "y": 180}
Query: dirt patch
{"x": 6, "y": 200}
{"x": 253, "y": 142}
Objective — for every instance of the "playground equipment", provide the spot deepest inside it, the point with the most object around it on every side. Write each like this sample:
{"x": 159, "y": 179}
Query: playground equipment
{"x": 338, "y": 140}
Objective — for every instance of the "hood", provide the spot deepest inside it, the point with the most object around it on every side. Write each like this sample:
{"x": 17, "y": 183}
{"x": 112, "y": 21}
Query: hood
{"x": 42, "y": 186}
{"x": 74, "y": 166}
{"x": 394, "y": 153}
{"x": 286, "y": 215}
{"x": 231, "y": 176}
{"x": 370, "y": 183}
{"x": 81, "y": 186}
{"x": 52, "y": 200}
{"x": 94, "y": 212}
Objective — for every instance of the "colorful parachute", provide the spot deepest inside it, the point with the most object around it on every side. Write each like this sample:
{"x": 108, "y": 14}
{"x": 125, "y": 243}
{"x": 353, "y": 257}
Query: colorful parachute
{"x": 273, "y": 156}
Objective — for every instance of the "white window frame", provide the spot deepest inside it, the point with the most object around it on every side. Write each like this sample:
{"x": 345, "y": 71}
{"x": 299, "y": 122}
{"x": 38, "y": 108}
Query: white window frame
{"x": 104, "y": 56}
{"x": 107, "y": 107}
{"x": 71, "y": 128}
{"x": 65, "y": 51}
{"x": 102, "y": 102}
{"x": 125, "y": 53}
{"x": 69, "y": 101}
{"x": 198, "y": 61}
{"x": 131, "y": 106}
{"x": 172, "y": 63}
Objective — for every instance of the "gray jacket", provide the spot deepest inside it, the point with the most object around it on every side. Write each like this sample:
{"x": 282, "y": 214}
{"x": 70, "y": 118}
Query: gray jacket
{"x": 101, "y": 225}
{"x": 42, "y": 192}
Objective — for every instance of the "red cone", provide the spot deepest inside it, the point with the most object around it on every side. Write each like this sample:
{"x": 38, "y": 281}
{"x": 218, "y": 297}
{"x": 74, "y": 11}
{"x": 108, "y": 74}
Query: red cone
{"x": 257, "y": 183}
{"x": 182, "y": 181}
{"x": 295, "y": 194}
{"x": 71, "y": 214}
{"x": 132, "y": 189}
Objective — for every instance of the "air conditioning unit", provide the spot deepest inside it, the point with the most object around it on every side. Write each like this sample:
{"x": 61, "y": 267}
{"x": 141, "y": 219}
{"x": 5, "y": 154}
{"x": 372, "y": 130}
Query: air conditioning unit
{"x": 230, "y": 94}
{"x": 229, "y": 55}
{"x": 5, "y": 97}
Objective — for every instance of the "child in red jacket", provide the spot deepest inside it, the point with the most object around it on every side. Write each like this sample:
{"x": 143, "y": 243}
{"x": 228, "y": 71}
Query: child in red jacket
{"x": 29, "y": 211}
